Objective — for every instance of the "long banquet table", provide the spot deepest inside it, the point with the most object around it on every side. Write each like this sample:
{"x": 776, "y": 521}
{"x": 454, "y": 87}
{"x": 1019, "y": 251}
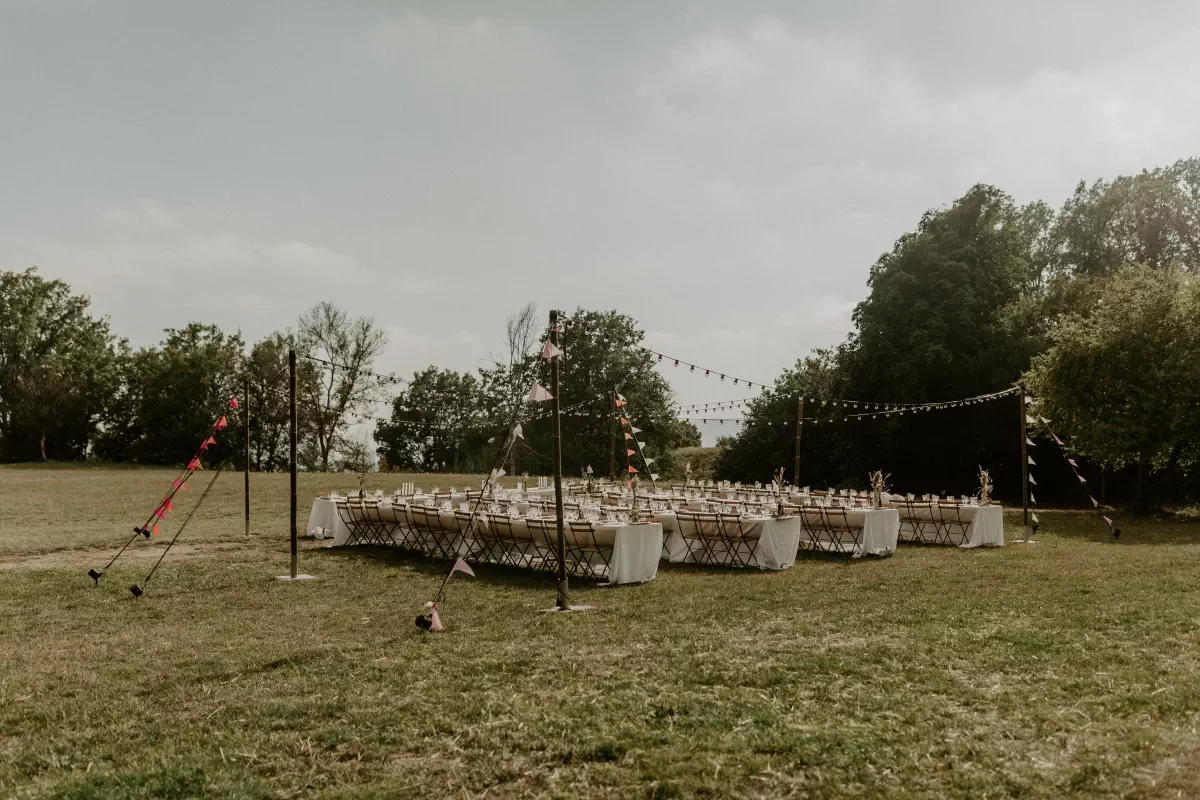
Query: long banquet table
{"x": 776, "y": 541}
{"x": 635, "y": 547}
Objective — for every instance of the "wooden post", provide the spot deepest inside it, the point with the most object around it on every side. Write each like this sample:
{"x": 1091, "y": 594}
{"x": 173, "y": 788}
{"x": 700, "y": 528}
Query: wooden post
{"x": 293, "y": 434}
{"x": 246, "y": 412}
{"x": 1024, "y": 461}
{"x": 612, "y": 435}
{"x": 799, "y": 429}
{"x": 564, "y": 603}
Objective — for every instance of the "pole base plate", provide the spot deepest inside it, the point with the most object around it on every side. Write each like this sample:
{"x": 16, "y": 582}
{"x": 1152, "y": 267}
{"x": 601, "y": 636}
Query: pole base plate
{"x": 299, "y": 577}
{"x": 567, "y": 610}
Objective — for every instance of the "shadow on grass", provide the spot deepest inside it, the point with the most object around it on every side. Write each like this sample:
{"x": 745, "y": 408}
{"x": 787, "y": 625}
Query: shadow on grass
{"x": 1136, "y": 529}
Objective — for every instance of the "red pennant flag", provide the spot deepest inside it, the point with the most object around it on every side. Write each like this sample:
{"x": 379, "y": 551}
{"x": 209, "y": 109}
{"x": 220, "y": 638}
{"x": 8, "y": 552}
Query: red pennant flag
{"x": 158, "y": 512}
{"x": 169, "y": 505}
{"x": 624, "y": 421}
{"x": 157, "y": 532}
{"x": 630, "y": 453}
{"x": 194, "y": 465}
{"x": 620, "y": 402}
{"x": 233, "y": 402}
{"x": 632, "y": 470}
{"x": 203, "y": 446}
{"x": 211, "y": 440}
{"x": 222, "y": 424}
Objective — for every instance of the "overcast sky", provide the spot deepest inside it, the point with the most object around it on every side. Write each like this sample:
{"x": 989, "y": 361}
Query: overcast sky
{"x": 726, "y": 173}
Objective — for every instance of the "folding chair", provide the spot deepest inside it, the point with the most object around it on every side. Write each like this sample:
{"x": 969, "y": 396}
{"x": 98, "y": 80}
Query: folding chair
{"x": 953, "y": 526}
{"x": 738, "y": 545}
{"x": 829, "y": 529}
{"x": 543, "y": 534}
{"x": 918, "y": 522}
{"x": 588, "y": 552}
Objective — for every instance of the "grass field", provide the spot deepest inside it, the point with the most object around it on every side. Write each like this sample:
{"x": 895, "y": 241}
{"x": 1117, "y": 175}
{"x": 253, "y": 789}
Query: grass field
{"x": 1066, "y": 667}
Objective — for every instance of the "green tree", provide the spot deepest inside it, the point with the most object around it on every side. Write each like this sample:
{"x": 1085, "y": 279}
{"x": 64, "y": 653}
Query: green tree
{"x": 172, "y": 395}
{"x": 1122, "y": 383}
{"x": 59, "y": 369}
{"x": 348, "y": 387}
{"x": 438, "y": 424}
{"x": 266, "y": 368}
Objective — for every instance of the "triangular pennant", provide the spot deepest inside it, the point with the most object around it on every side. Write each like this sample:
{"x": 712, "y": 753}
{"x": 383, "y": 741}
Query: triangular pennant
{"x": 158, "y": 512}
{"x": 203, "y": 446}
{"x": 211, "y": 440}
{"x": 463, "y": 567}
{"x": 632, "y": 469}
{"x": 620, "y": 402}
{"x": 631, "y": 452}
{"x": 624, "y": 421}
{"x": 1030, "y": 420}
{"x": 233, "y": 402}
{"x": 648, "y": 460}
{"x": 156, "y": 531}
{"x": 1032, "y": 499}
{"x": 538, "y": 394}
{"x": 1044, "y": 420}
{"x": 194, "y": 465}
{"x": 1029, "y": 442}
{"x": 1031, "y": 480}
{"x": 589, "y": 469}
{"x": 1057, "y": 440}
{"x": 1082, "y": 479}
{"x": 1095, "y": 502}
{"x": 1106, "y": 519}
{"x": 169, "y": 505}
{"x": 635, "y": 430}
{"x": 517, "y": 432}
{"x": 222, "y": 424}
{"x": 653, "y": 476}
{"x": 1032, "y": 463}
{"x": 629, "y": 436}
{"x": 549, "y": 351}
{"x": 1071, "y": 461}
{"x": 1035, "y": 519}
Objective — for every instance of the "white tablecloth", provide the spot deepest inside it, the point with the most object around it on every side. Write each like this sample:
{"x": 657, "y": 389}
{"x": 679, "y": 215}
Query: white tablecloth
{"x": 880, "y": 529}
{"x": 324, "y": 520}
{"x": 987, "y": 527}
{"x": 778, "y": 539}
{"x": 636, "y": 551}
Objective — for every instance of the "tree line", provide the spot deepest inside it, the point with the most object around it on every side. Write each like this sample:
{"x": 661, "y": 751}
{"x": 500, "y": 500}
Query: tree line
{"x": 1094, "y": 308}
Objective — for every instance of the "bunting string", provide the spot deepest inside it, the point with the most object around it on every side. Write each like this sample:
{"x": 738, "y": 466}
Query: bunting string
{"x": 1029, "y": 419}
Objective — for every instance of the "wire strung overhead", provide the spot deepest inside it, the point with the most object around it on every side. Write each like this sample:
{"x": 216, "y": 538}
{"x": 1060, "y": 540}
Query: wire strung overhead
{"x": 708, "y": 373}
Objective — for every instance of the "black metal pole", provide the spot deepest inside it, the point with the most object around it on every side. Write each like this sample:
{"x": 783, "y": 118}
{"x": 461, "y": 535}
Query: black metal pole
{"x": 292, "y": 446}
{"x": 246, "y": 407}
{"x": 1024, "y": 461}
{"x": 563, "y": 600}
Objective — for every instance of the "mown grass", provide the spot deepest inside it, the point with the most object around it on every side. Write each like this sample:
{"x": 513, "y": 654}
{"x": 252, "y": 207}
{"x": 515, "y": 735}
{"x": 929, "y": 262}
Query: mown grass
{"x": 1069, "y": 666}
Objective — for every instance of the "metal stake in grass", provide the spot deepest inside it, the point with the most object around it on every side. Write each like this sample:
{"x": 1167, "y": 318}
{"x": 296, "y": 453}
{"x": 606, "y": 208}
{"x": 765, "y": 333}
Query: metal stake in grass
{"x": 137, "y": 590}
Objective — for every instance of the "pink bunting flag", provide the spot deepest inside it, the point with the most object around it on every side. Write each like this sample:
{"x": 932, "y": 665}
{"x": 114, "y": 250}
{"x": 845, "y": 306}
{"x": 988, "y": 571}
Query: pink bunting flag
{"x": 175, "y": 484}
{"x": 222, "y": 424}
{"x": 1071, "y": 461}
{"x": 156, "y": 531}
{"x": 463, "y": 567}
{"x": 630, "y": 453}
{"x": 194, "y": 465}
{"x": 203, "y": 446}
{"x": 538, "y": 394}
{"x": 169, "y": 505}
{"x": 632, "y": 470}
{"x": 1082, "y": 479}
{"x": 233, "y": 402}
{"x": 1095, "y": 502}
{"x": 1058, "y": 441}
{"x": 211, "y": 440}
{"x": 549, "y": 351}
{"x": 1106, "y": 519}
{"x": 158, "y": 512}
{"x": 620, "y": 402}
{"x": 589, "y": 469}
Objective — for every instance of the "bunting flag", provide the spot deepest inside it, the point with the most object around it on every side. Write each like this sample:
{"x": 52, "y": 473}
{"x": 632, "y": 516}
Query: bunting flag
{"x": 653, "y": 476}
{"x": 624, "y": 421}
{"x": 517, "y": 432}
{"x": 632, "y": 469}
{"x": 222, "y": 424}
{"x": 589, "y": 469}
{"x": 1032, "y": 463}
{"x": 169, "y": 505}
{"x": 1034, "y": 517}
{"x": 1029, "y": 442}
{"x": 1030, "y": 420}
{"x": 620, "y": 401}
{"x": 635, "y": 430}
{"x": 647, "y": 459}
{"x": 211, "y": 440}
{"x": 233, "y": 402}
{"x": 549, "y": 351}
{"x": 629, "y": 436}
{"x": 1032, "y": 499}
{"x": 157, "y": 532}
{"x": 538, "y": 394}
{"x": 194, "y": 464}
{"x": 1057, "y": 440}
{"x": 463, "y": 567}
{"x": 630, "y": 452}
{"x": 1031, "y": 480}
{"x": 158, "y": 512}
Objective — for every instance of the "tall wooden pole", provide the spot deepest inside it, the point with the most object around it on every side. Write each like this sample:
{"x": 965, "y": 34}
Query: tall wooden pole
{"x": 293, "y": 433}
{"x": 799, "y": 430}
{"x": 564, "y": 603}
{"x": 246, "y": 412}
{"x": 1024, "y": 461}
{"x": 612, "y": 435}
